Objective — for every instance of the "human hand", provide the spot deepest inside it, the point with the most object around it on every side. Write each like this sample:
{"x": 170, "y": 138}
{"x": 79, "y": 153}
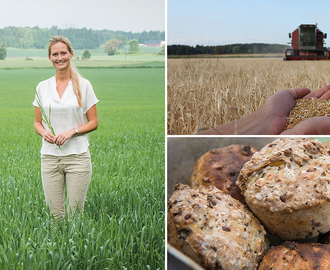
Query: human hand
{"x": 48, "y": 137}
{"x": 281, "y": 103}
{"x": 322, "y": 93}
{"x": 61, "y": 138}
{"x": 277, "y": 108}
{"x": 319, "y": 125}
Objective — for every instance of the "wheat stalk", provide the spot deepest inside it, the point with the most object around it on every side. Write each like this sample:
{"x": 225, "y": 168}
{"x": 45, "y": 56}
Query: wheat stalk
{"x": 45, "y": 118}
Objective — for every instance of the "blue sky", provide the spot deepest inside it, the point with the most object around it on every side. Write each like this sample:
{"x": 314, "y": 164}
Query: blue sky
{"x": 125, "y": 15}
{"x": 218, "y": 22}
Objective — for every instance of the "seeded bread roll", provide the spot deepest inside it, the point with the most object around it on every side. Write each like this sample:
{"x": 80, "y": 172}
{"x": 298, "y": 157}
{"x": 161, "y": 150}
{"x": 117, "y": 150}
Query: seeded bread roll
{"x": 214, "y": 229}
{"x": 287, "y": 186}
{"x": 221, "y": 167}
{"x": 292, "y": 256}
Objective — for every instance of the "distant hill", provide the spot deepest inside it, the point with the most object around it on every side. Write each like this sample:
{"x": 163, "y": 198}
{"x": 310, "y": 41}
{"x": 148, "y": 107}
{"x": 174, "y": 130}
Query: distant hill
{"x": 227, "y": 49}
{"x": 38, "y": 38}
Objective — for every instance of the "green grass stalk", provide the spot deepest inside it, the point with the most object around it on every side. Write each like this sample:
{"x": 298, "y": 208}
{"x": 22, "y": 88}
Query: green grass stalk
{"x": 45, "y": 118}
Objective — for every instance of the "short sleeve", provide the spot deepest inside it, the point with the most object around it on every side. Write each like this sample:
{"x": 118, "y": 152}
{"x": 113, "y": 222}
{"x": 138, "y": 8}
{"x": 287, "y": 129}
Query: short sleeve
{"x": 90, "y": 97}
{"x": 35, "y": 102}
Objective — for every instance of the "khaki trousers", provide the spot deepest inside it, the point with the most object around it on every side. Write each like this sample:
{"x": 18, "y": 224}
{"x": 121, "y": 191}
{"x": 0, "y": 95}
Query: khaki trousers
{"x": 75, "y": 171}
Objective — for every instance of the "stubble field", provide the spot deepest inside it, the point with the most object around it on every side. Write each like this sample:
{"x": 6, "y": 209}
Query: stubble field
{"x": 205, "y": 93}
{"x": 123, "y": 226}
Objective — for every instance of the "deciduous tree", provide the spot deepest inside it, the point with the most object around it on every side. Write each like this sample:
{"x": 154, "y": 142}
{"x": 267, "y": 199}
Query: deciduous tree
{"x": 3, "y": 51}
{"x": 86, "y": 55}
{"x": 236, "y": 49}
{"x": 111, "y": 46}
{"x": 133, "y": 46}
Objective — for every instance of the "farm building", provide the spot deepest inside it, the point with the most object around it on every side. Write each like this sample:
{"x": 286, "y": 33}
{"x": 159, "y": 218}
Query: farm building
{"x": 156, "y": 43}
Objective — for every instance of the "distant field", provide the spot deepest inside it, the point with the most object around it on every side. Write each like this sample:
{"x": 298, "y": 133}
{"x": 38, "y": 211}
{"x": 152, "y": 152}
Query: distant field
{"x": 45, "y": 63}
{"x": 124, "y": 222}
{"x": 205, "y": 93}
{"x": 96, "y": 54}
{"x": 35, "y": 58}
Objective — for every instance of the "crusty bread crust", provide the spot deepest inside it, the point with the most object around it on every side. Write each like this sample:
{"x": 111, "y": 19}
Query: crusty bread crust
{"x": 327, "y": 146}
{"x": 221, "y": 167}
{"x": 214, "y": 229}
{"x": 293, "y": 256}
{"x": 287, "y": 185}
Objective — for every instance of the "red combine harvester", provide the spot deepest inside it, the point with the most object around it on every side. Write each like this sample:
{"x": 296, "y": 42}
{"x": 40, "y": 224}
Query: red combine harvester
{"x": 307, "y": 44}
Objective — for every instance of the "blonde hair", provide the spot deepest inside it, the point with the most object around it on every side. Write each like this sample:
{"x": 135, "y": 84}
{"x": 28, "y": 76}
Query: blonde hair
{"x": 74, "y": 74}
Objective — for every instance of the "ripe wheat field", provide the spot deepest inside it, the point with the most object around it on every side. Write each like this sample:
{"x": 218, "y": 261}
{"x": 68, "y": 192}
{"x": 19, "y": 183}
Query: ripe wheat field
{"x": 206, "y": 93}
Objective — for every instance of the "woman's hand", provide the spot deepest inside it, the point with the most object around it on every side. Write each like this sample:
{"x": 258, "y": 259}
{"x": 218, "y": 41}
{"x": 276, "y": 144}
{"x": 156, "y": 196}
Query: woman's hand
{"x": 48, "y": 137}
{"x": 61, "y": 138}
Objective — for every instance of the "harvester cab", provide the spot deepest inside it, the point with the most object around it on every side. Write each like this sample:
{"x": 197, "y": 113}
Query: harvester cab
{"x": 307, "y": 43}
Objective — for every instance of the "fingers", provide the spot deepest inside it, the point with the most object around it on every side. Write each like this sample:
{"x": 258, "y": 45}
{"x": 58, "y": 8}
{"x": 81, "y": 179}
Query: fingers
{"x": 60, "y": 139}
{"x": 298, "y": 92}
{"x": 319, "y": 125}
{"x": 322, "y": 93}
{"x": 49, "y": 137}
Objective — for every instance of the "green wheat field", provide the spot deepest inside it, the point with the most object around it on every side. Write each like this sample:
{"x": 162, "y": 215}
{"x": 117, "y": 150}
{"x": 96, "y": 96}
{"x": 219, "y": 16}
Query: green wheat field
{"x": 123, "y": 226}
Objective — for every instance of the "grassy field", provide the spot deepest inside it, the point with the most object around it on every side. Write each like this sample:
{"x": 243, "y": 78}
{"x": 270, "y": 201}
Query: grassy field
{"x": 206, "y": 93}
{"x": 43, "y": 63}
{"x": 123, "y": 226}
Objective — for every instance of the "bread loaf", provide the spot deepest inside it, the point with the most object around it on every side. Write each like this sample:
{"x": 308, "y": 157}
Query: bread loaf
{"x": 287, "y": 186}
{"x": 221, "y": 167}
{"x": 214, "y": 229}
{"x": 293, "y": 256}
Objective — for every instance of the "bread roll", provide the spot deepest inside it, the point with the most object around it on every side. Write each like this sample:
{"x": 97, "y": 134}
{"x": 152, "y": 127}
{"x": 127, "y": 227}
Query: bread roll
{"x": 293, "y": 256}
{"x": 214, "y": 229}
{"x": 327, "y": 146}
{"x": 287, "y": 186}
{"x": 221, "y": 167}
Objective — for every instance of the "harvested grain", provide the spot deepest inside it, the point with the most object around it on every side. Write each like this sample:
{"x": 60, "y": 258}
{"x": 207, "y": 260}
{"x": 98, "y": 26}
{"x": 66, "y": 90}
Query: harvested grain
{"x": 307, "y": 108}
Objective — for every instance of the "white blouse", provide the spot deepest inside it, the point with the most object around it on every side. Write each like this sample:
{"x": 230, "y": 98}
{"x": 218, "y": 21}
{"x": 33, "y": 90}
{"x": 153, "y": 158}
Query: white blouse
{"x": 65, "y": 114}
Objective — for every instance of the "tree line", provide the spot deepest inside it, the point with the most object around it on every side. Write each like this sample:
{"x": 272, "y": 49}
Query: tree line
{"x": 226, "y": 49}
{"x": 35, "y": 37}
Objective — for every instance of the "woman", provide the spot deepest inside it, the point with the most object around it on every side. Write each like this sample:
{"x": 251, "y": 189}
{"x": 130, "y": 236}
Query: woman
{"x": 70, "y": 103}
